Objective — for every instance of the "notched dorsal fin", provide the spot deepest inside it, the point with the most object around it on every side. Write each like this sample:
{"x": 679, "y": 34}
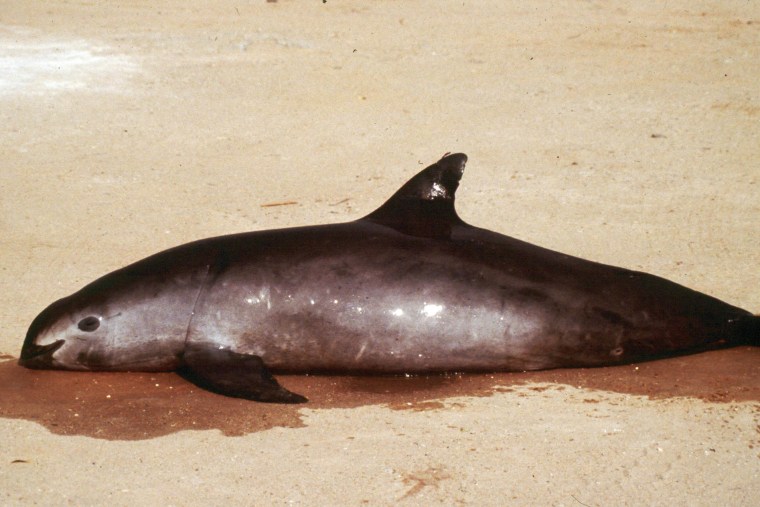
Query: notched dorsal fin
{"x": 424, "y": 205}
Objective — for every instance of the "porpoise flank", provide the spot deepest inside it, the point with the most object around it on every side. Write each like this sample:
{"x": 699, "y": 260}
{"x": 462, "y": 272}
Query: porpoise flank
{"x": 410, "y": 288}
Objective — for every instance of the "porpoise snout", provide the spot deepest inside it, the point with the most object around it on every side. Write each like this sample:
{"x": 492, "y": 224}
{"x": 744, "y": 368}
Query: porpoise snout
{"x": 38, "y": 356}
{"x": 34, "y": 355}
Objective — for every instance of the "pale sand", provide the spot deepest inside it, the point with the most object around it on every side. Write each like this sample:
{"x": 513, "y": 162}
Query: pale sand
{"x": 619, "y": 133}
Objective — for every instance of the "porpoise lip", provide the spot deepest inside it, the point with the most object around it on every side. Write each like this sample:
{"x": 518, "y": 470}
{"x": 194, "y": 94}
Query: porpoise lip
{"x": 39, "y": 356}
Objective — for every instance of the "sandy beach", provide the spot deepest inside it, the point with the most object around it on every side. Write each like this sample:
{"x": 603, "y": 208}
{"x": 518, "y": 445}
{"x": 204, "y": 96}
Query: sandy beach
{"x": 625, "y": 133}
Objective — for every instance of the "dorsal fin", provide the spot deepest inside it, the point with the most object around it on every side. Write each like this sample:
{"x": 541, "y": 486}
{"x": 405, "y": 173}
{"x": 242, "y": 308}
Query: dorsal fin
{"x": 424, "y": 205}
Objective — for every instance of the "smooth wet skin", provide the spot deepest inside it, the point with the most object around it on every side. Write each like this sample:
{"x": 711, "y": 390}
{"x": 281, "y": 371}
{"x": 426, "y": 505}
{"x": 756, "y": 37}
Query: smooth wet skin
{"x": 410, "y": 288}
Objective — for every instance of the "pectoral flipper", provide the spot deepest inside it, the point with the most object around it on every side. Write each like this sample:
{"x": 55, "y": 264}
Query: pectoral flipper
{"x": 233, "y": 374}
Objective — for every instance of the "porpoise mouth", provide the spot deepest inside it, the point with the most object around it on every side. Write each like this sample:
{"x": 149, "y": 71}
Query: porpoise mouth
{"x": 39, "y": 356}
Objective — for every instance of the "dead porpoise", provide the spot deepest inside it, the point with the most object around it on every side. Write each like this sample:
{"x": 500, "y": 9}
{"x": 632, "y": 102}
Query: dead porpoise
{"x": 410, "y": 288}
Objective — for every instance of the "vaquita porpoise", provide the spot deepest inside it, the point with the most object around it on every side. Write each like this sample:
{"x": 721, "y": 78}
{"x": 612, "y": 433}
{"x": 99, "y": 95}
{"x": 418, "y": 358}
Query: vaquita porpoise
{"x": 410, "y": 288}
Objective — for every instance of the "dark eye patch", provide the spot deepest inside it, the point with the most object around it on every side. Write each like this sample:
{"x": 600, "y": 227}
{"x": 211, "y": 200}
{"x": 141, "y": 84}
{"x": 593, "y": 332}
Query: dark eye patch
{"x": 89, "y": 324}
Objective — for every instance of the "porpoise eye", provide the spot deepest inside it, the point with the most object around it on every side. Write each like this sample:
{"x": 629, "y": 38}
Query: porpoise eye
{"x": 89, "y": 324}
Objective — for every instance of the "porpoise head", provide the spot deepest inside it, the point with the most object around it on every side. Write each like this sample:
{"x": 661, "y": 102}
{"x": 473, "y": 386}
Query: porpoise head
{"x": 131, "y": 319}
